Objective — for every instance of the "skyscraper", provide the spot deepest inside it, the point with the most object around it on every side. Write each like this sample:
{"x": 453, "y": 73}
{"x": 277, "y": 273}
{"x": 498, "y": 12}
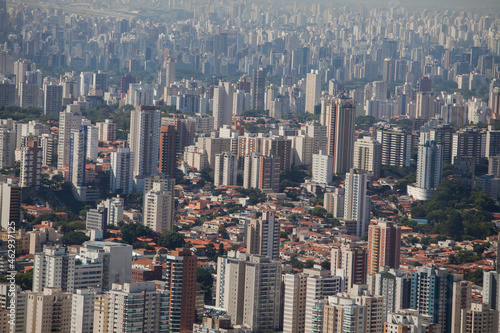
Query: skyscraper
{"x": 158, "y": 211}
{"x": 340, "y": 127}
{"x": 430, "y": 294}
{"x": 368, "y": 155}
{"x": 130, "y": 307}
{"x": 313, "y": 90}
{"x": 249, "y": 288}
{"x": 144, "y": 141}
{"x": 225, "y": 169}
{"x": 168, "y": 161}
{"x": 351, "y": 257}
{"x": 223, "y": 105}
{"x": 261, "y": 172}
{"x": 357, "y": 203}
{"x": 31, "y": 164}
{"x": 121, "y": 170}
{"x": 429, "y": 170}
{"x": 384, "y": 245}
{"x": 180, "y": 275}
{"x": 322, "y": 168}
{"x": 77, "y": 159}
{"x": 263, "y": 236}
{"x": 69, "y": 120}
{"x": 52, "y": 99}
{"x": 396, "y": 146}
{"x": 258, "y": 89}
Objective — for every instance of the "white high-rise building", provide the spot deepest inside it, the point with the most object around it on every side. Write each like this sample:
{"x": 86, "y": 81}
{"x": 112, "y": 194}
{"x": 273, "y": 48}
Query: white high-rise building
{"x": 115, "y": 210}
{"x": 82, "y": 310}
{"x": 53, "y": 268}
{"x": 313, "y": 90}
{"x": 92, "y": 139}
{"x": 357, "y": 203}
{"x": 77, "y": 159}
{"x": 223, "y": 105}
{"x": 7, "y": 143}
{"x": 122, "y": 170}
{"x": 144, "y": 142}
{"x": 225, "y": 169}
{"x": 114, "y": 257}
{"x": 69, "y": 120}
{"x": 158, "y": 206}
{"x": 429, "y": 170}
{"x": 86, "y": 79}
{"x": 322, "y": 168}
{"x": 368, "y": 155}
{"x": 131, "y": 307}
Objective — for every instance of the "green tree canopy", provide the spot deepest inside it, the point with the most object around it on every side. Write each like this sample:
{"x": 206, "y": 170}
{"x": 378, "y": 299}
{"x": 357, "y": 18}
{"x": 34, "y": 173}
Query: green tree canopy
{"x": 171, "y": 240}
{"x": 74, "y": 238}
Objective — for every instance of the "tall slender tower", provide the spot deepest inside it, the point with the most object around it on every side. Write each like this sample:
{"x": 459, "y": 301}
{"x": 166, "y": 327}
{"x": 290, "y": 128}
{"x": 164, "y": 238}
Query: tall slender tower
{"x": 263, "y": 236}
{"x": 223, "y": 105}
{"x": 168, "y": 163}
{"x": 357, "y": 204}
{"x": 144, "y": 141}
{"x": 258, "y": 89}
{"x": 340, "y": 126}
{"x": 69, "y": 120}
{"x": 180, "y": 274}
{"x": 313, "y": 90}
{"x": 384, "y": 245}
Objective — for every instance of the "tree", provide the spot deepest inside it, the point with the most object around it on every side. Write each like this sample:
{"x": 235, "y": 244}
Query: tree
{"x": 131, "y": 231}
{"x": 23, "y": 280}
{"x": 171, "y": 240}
{"x": 74, "y": 238}
{"x": 319, "y": 211}
{"x": 206, "y": 281}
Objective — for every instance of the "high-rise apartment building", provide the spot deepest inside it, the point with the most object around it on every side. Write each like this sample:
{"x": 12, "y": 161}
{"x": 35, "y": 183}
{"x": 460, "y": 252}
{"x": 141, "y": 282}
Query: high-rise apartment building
{"x": 97, "y": 218}
{"x": 368, "y": 155}
{"x": 121, "y": 170}
{"x": 352, "y": 258}
{"x": 396, "y": 146}
{"x": 263, "y": 236}
{"x": 443, "y": 135}
{"x": 91, "y": 139}
{"x": 48, "y": 311}
{"x": 429, "y": 170}
{"x": 261, "y": 172}
{"x": 114, "y": 258}
{"x": 107, "y": 130}
{"x": 223, "y": 105}
{"x": 158, "y": 211}
{"x": 225, "y": 169}
{"x": 357, "y": 203}
{"x": 144, "y": 142}
{"x": 409, "y": 321}
{"x": 313, "y": 90}
{"x": 77, "y": 160}
{"x": 168, "y": 161}
{"x": 131, "y": 307}
{"x": 249, "y": 288}
{"x": 114, "y": 208}
{"x": 462, "y": 297}
{"x": 10, "y": 194}
{"x": 69, "y": 120}
{"x": 258, "y": 89}
{"x": 52, "y": 99}
{"x": 340, "y": 127}
{"x": 7, "y": 143}
{"x": 82, "y": 310}
{"x": 384, "y": 245}
{"x": 322, "y": 168}
{"x": 31, "y": 164}
{"x": 280, "y": 148}
{"x": 430, "y": 294}
{"x": 492, "y": 143}
{"x": 53, "y": 268}
{"x": 469, "y": 142}
{"x": 180, "y": 274}
{"x": 479, "y": 319}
